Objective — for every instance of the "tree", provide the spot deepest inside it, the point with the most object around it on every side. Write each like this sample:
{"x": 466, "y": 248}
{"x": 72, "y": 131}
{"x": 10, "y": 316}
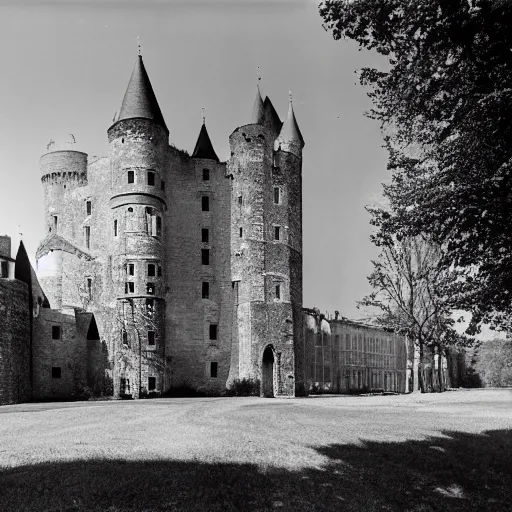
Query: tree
{"x": 445, "y": 106}
{"x": 406, "y": 282}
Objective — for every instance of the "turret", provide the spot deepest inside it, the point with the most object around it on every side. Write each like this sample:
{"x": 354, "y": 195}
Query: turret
{"x": 290, "y": 139}
{"x": 204, "y": 147}
{"x": 138, "y": 142}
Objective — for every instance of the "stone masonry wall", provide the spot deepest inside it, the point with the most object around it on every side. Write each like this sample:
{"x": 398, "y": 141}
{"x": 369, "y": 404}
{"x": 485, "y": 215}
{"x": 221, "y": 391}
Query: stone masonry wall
{"x": 14, "y": 342}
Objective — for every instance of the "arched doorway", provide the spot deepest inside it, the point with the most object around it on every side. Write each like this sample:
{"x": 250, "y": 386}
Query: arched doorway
{"x": 267, "y": 373}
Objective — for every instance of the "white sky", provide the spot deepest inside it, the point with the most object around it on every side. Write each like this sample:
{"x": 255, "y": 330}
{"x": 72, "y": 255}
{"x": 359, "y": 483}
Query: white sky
{"x": 65, "y": 67}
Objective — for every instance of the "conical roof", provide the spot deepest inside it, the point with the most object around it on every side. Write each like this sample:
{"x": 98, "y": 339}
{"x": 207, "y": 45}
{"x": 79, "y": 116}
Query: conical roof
{"x": 139, "y": 99}
{"x": 257, "y": 109}
{"x": 290, "y": 131}
{"x": 271, "y": 117}
{"x": 204, "y": 146}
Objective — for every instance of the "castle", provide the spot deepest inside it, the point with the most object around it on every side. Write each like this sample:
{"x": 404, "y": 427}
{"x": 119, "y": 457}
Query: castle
{"x": 161, "y": 268}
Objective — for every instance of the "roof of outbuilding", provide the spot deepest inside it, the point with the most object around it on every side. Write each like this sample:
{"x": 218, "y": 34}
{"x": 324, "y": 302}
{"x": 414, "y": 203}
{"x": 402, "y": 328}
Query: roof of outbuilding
{"x": 204, "y": 146}
{"x": 139, "y": 99}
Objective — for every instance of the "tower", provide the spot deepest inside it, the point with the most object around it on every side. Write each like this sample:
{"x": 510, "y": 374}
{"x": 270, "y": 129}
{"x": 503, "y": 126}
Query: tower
{"x": 138, "y": 142}
{"x": 266, "y": 249}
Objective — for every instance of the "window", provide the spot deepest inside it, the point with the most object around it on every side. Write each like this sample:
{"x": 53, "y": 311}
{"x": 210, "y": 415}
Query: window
{"x": 150, "y": 306}
{"x": 151, "y": 338}
{"x": 205, "y": 204}
{"x": 205, "y": 290}
{"x": 205, "y": 256}
{"x": 159, "y": 270}
{"x": 130, "y": 210}
{"x": 89, "y": 287}
{"x": 151, "y": 178}
{"x": 234, "y": 285}
{"x": 129, "y": 287}
{"x": 277, "y": 195}
{"x": 277, "y": 233}
{"x": 240, "y": 201}
{"x": 151, "y": 383}
{"x": 56, "y": 372}
{"x": 115, "y": 227}
{"x": 130, "y": 269}
{"x": 162, "y": 185}
{"x": 206, "y": 174}
{"x": 278, "y": 291}
{"x": 158, "y": 226}
{"x": 55, "y": 222}
{"x": 55, "y": 332}
{"x": 124, "y": 336}
{"x": 213, "y": 370}
{"x": 151, "y": 269}
{"x": 4, "y": 270}
{"x": 88, "y": 207}
{"x": 131, "y": 177}
{"x": 150, "y": 288}
{"x": 241, "y": 232}
{"x": 205, "y": 235}
{"x": 213, "y": 331}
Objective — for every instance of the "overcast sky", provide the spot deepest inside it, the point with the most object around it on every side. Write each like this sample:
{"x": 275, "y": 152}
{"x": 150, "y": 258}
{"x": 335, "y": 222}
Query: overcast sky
{"x": 66, "y": 65}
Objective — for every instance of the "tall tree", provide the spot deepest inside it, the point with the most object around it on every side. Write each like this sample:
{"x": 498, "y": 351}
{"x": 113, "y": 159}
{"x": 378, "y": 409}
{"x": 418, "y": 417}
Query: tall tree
{"x": 445, "y": 106}
{"x": 406, "y": 282}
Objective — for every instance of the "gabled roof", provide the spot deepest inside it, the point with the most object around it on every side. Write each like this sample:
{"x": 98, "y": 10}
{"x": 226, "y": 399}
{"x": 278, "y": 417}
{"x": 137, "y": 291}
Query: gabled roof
{"x": 257, "y": 109}
{"x": 139, "y": 99}
{"x": 204, "y": 146}
{"x": 54, "y": 242}
{"x": 290, "y": 131}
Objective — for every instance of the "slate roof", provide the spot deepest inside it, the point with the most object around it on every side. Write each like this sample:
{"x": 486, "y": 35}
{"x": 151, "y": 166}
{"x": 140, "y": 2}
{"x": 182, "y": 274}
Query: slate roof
{"x": 204, "y": 146}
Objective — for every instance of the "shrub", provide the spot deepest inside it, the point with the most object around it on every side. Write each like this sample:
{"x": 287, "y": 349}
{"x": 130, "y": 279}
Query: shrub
{"x": 182, "y": 390}
{"x": 243, "y": 387}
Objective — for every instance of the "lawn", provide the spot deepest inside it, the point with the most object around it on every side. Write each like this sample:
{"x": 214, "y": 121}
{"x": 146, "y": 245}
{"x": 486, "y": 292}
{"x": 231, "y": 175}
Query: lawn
{"x": 420, "y": 453}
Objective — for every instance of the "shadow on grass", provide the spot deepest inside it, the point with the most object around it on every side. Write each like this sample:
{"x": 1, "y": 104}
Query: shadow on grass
{"x": 459, "y": 472}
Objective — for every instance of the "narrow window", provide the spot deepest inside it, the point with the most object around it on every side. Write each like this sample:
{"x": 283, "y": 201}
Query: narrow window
{"x": 151, "y": 383}
{"x": 277, "y": 233}
{"x": 213, "y": 370}
{"x": 159, "y": 270}
{"x": 89, "y": 287}
{"x": 87, "y": 237}
{"x": 234, "y": 285}
{"x": 55, "y": 332}
{"x": 151, "y": 338}
{"x": 115, "y": 227}
{"x": 88, "y": 207}
{"x": 5, "y": 269}
{"x": 205, "y": 204}
{"x": 162, "y": 185}
{"x": 56, "y": 372}
{"x": 240, "y": 201}
{"x": 241, "y": 232}
{"x": 277, "y": 195}
{"x": 205, "y": 235}
{"x": 158, "y": 226}
{"x": 213, "y": 331}
{"x": 55, "y": 223}
{"x": 151, "y": 269}
{"x": 205, "y": 256}
{"x": 206, "y": 174}
{"x": 131, "y": 177}
{"x": 124, "y": 335}
{"x": 130, "y": 269}
{"x": 150, "y": 288}
{"x": 278, "y": 291}
{"x": 150, "y": 306}
{"x": 151, "y": 178}
{"x": 205, "y": 290}
{"x": 129, "y": 287}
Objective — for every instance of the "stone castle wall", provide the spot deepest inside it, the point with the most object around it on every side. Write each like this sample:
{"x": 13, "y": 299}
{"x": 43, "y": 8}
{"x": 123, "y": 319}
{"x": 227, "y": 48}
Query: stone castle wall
{"x": 14, "y": 342}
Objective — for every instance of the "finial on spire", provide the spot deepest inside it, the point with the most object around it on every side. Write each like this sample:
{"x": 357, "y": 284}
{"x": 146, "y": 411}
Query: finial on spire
{"x": 138, "y": 45}
{"x": 290, "y": 95}
{"x": 258, "y": 74}
{"x": 203, "y": 116}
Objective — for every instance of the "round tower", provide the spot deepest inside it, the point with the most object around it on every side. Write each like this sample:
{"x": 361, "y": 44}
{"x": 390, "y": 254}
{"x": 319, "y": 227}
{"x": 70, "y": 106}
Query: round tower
{"x": 266, "y": 255}
{"x": 138, "y": 142}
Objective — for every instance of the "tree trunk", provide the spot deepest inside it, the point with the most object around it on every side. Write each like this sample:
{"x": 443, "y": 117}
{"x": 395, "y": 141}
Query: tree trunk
{"x": 421, "y": 368}
{"x": 433, "y": 373}
{"x": 440, "y": 371}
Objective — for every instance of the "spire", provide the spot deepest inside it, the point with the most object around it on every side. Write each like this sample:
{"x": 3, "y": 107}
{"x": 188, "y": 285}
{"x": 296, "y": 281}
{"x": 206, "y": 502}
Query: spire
{"x": 204, "y": 146}
{"x": 290, "y": 131}
{"x": 271, "y": 120}
{"x": 139, "y": 99}
{"x": 257, "y": 109}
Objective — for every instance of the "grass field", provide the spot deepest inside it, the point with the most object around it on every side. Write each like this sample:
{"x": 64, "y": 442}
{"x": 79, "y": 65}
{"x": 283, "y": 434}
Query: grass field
{"x": 413, "y": 453}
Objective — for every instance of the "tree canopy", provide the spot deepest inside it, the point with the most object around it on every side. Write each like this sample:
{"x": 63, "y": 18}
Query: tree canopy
{"x": 445, "y": 106}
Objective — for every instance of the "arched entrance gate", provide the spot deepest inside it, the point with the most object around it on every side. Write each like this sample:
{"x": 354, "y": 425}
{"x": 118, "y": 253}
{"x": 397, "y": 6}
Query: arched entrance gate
{"x": 267, "y": 373}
